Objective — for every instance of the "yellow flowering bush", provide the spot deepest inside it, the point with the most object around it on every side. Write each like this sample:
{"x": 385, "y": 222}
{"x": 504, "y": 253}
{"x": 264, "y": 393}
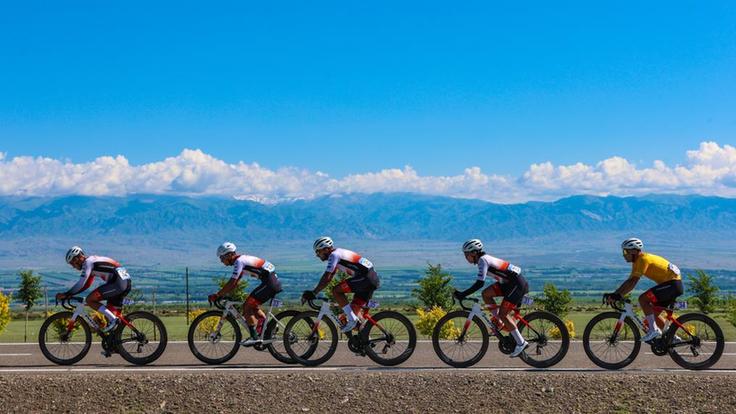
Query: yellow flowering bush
{"x": 428, "y": 320}
{"x": 555, "y": 333}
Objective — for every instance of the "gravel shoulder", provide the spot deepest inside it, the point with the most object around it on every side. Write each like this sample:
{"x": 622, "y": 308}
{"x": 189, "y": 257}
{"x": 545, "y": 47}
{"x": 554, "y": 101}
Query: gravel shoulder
{"x": 385, "y": 391}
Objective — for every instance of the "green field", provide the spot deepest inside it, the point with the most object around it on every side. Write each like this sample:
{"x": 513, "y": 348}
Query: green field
{"x": 177, "y": 327}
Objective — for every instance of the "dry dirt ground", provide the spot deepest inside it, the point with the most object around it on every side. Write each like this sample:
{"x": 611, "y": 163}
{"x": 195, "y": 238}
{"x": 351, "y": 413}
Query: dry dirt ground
{"x": 368, "y": 391}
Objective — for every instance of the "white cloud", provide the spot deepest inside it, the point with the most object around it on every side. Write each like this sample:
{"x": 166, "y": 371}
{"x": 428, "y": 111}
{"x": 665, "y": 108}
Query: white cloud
{"x": 711, "y": 169}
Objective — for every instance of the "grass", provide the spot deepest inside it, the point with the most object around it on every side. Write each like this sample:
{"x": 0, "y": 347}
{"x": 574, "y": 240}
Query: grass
{"x": 177, "y": 327}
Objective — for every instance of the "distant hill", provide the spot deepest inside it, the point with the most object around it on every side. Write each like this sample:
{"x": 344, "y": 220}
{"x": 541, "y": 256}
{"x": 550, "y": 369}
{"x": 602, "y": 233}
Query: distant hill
{"x": 167, "y": 225}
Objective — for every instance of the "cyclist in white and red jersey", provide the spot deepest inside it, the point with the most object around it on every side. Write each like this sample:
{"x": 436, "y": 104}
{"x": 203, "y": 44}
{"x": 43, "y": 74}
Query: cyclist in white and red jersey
{"x": 510, "y": 284}
{"x": 363, "y": 280}
{"x": 256, "y": 267}
{"x": 116, "y": 287}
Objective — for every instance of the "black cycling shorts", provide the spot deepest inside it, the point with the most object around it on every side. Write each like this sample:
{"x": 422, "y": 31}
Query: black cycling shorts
{"x": 115, "y": 291}
{"x": 270, "y": 287}
{"x": 512, "y": 292}
{"x": 666, "y": 293}
{"x": 362, "y": 286}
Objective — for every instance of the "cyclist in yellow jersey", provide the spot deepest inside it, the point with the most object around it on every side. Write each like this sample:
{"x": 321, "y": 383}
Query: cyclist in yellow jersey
{"x": 665, "y": 274}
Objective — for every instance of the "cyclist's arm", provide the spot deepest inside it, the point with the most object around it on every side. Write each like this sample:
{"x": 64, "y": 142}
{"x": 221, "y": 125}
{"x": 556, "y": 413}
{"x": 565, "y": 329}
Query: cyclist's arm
{"x": 481, "y": 280}
{"x": 229, "y": 286}
{"x": 627, "y": 286}
{"x": 324, "y": 281}
{"x": 84, "y": 282}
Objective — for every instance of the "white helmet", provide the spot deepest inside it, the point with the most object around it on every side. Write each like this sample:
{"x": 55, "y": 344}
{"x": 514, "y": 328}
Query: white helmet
{"x": 73, "y": 252}
{"x": 473, "y": 245}
{"x": 226, "y": 248}
{"x": 322, "y": 242}
{"x": 632, "y": 243}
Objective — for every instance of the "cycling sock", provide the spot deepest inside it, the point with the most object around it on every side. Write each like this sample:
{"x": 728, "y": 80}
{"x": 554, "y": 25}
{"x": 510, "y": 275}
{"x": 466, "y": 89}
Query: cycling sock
{"x": 652, "y": 322}
{"x": 517, "y": 336}
{"x": 352, "y": 317}
{"x": 108, "y": 314}
{"x": 253, "y": 333}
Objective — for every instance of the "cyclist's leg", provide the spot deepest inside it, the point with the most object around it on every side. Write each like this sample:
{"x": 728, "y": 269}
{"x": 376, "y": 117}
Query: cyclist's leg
{"x": 113, "y": 292}
{"x": 360, "y": 300}
{"x": 661, "y": 295}
{"x": 491, "y": 292}
{"x": 339, "y": 291}
{"x": 512, "y": 298}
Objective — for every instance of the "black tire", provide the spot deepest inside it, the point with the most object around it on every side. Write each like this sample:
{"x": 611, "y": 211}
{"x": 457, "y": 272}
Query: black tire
{"x": 147, "y": 344}
{"x": 398, "y": 334}
{"x": 305, "y": 349}
{"x": 50, "y": 338}
{"x": 597, "y": 341}
{"x": 449, "y": 335}
{"x": 213, "y": 351}
{"x": 709, "y": 342}
{"x": 544, "y": 350}
{"x": 275, "y": 331}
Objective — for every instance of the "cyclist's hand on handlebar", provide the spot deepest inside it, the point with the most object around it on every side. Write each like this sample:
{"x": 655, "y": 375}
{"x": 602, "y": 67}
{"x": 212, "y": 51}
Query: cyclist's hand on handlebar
{"x": 61, "y": 297}
{"x": 611, "y": 298}
{"x": 458, "y": 295}
{"x": 213, "y": 298}
{"x": 308, "y": 295}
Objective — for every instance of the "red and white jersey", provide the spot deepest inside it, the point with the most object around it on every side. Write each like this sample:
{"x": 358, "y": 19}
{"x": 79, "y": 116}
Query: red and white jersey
{"x": 349, "y": 262}
{"x": 255, "y": 266}
{"x": 502, "y": 270}
{"x": 105, "y": 268}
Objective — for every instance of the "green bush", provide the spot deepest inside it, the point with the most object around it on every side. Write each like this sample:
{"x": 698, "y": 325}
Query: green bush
{"x": 555, "y": 301}
{"x": 704, "y": 291}
{"x": 434, "y": 288}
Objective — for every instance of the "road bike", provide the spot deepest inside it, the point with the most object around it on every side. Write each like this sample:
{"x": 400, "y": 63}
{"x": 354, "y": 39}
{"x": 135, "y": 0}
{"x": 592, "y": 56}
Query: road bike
{"x": 66, "y": 337}
{"x": 311, "y": 338}
{"x": 612, "y": 340}
{"x": 461, "y": 338}
{"x": 214, "y": 336}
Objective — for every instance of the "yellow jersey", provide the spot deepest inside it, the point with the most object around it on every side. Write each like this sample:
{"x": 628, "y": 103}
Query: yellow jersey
{"x": 657, "y": 268}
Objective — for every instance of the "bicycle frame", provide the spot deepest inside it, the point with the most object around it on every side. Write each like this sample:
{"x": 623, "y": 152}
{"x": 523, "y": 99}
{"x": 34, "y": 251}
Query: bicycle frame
{"x": 79, "y": 311}
{"x": 325, "y": 310}
{"x": 477, "y": 311}
{"x": 628, "y": 312}
{"x": 230, "y": 308}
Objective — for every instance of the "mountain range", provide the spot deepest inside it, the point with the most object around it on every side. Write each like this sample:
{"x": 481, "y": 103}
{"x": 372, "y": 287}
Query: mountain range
{"x": 174, "y": 224}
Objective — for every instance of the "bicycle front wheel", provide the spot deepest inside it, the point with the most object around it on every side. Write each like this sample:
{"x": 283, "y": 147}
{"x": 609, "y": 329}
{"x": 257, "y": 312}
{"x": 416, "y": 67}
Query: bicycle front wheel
{"x": 458, "y": 341}
{"x": 697, "y": 344}
{"x": 548, "y": 339}
{"x": 309, "y": 341}
{"x": 391, "y": 340}
{"x": 144, "y": 340}
{"x": 212, "y": 339}
{"x": 63, "y": 342}
{"x": 608, "y": 343}
{"x": 275, "y": 334}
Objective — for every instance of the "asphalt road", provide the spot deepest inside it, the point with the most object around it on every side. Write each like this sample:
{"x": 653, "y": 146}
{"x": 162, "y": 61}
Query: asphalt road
{"x": 28, "y": 358}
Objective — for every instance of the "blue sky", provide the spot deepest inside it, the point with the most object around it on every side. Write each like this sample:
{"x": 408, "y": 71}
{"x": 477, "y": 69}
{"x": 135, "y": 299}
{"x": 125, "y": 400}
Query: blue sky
{"x": 349, "y": 87}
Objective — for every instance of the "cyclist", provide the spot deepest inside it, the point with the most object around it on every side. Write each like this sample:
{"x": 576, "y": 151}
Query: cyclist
{"x": 510, "y": 284}
{"x": 665, "y": 274}
{"x": 113, "y": 291}
{"x": 256, "y": 267}
{"x": 363, "y": 280}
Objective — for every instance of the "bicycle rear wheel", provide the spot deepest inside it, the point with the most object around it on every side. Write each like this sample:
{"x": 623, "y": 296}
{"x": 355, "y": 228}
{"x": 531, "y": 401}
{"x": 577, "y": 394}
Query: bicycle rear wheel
{"x": 63, "y": 343}
{"x": 460, "y": 342}
{"x": 391, "y": 340}
{"x": 210, "y": 344}
{"x": 144, "y": 344}
{"x": 548, "y": 339}
{"x": 697, "y": 344}
{"x": 609, "y": 344}
{"x": 308, "y": 341}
